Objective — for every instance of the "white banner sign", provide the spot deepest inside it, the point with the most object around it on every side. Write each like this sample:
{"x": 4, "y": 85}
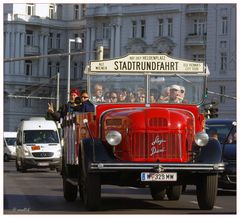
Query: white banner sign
{"x": 147, "y": 63}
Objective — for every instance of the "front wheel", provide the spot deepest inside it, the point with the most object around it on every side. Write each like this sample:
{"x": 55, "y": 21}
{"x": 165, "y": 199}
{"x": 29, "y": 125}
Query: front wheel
{"x": 174, "y": 192}
{"x": 157, "y": 192}
{"x": 207, "y": 191}
{"x": 91, "y": 191}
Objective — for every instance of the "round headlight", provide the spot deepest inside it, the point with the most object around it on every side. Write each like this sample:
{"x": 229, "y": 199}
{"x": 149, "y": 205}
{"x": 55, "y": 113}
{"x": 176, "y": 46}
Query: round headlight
{"x": 201, "y": 138}
{"x": 114, "y": 137}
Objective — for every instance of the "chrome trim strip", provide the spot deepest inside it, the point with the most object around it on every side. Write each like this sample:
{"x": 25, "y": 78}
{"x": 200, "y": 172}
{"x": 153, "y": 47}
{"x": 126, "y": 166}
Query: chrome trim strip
{"x": 155, "y": 166}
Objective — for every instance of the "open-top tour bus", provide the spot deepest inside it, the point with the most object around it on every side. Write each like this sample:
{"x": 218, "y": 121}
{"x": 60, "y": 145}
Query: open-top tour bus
{"x": 138, "y": 136}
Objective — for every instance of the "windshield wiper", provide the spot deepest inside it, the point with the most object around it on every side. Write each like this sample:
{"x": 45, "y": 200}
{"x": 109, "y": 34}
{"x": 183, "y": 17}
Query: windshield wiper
{"x": 183, "y": 78}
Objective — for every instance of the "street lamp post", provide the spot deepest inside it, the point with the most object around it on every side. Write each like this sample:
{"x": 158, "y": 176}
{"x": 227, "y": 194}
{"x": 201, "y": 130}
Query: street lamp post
{"x": 77, "y": 40}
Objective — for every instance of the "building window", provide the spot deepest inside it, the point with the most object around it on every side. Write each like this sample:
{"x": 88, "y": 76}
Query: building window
{"x": 29, "y": 37}
{"x": 106, "y": 31}
{"x": 76, "y": 45}
{"x": 134, "y": 29}
{"x": 75, "y": 71}
{"x": 223, "y": 62}
{"x": 30, "y": 8}
{"x": 160, "y": 27}
{"x": 170, "y": 27}
{"x": 222, "y": 92}
{"x": 76, "y": 12}
{"x": 199, "y": 57}
{"x": 59, "y": 11}
{"x": 143, "y": 27}
{"x": 199, "y": 27}
{"x": 27, "y": 102}
{"x": 50, "y": 69}
{"x": 28, "y": 68}
{"x": 224, "y": 25}
{"x": 83, "y": 8}
{"x": 57, "y": 67}
{"x": 223, "y": 44}
{"x": 83, "y": 40}
{"x": 51, "y": 11}
{"x": 58, "y": 41}
{"x": 50, "y": 40}
{"x": 81, "y": 70}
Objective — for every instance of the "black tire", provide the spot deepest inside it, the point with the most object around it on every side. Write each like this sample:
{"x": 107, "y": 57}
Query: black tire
{"x": 6, "y": 158}
{"x": 174, "y": 192}
{"x": 207, "y": 191}
{"x": 69, "y": 191}
{"x": 157, "y": 192}
{"x": 91, "y": 191}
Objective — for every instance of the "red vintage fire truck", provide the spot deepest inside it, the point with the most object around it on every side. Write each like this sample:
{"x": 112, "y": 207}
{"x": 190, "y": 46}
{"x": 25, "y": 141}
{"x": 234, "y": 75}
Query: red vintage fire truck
{"x": 140, "y": 136}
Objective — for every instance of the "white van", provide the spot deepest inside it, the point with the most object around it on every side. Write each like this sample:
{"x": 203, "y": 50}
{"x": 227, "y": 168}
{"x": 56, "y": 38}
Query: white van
{"x": 9, "y": 141}
{"x": 38, "y": 144}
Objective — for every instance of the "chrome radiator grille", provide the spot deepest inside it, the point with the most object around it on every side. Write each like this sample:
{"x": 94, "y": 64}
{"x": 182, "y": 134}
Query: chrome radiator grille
{"x": 156, "y": 145}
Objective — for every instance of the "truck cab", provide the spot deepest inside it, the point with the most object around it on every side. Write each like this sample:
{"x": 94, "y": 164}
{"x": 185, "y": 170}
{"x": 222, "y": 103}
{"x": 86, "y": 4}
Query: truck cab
{"x": 139, "y": 135}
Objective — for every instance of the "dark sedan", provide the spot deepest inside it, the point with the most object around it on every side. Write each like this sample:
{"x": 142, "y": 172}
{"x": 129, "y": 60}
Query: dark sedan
{"x": 225, "y": 131}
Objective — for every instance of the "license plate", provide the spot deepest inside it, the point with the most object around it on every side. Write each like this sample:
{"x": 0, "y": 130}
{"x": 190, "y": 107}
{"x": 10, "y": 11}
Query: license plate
{"x": 35, "y": 147}
{"x": 145, "y": 177}
{"x": 43, "y": 164}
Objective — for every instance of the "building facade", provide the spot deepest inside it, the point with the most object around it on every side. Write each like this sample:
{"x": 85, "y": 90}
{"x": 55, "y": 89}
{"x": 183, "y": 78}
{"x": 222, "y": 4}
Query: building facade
{"x": 205, "y": 32}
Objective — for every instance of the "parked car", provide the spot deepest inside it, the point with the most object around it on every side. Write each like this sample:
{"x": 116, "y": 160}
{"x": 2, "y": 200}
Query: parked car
{"x": 9, "y": 140}
{"x": 220, "y": 128}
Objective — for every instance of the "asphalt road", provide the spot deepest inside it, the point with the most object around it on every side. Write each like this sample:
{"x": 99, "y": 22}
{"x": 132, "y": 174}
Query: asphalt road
{"x": 40, "y": 192}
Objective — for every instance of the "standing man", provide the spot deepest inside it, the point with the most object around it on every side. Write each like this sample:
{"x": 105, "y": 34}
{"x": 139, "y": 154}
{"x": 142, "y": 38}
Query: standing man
{"x": 69, "y": 107}
{"x": 87, "y": 105}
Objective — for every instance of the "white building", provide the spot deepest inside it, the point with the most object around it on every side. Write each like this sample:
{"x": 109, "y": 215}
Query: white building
{"x": 195, "y": 31}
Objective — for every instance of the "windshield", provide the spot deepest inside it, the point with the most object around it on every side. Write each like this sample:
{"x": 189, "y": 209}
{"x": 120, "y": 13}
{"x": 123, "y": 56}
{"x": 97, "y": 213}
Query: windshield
{"x": 10, "y": 141}
{"x": 40, "y": 136}
{"x": 121, "y": 88}
{"x": 221, "y": 130}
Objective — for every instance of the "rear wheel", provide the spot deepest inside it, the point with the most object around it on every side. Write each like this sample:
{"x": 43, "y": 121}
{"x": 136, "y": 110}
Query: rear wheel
{"x": 207, "y": 191}
{"x": 174, "y": 192}
{"x": 157, "y": 192}
{"x": 69, "y": 190}
{"x": 6, "y": 158}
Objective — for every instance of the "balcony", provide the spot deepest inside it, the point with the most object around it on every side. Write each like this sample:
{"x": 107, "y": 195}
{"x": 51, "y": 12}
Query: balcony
{"x": 195, "y": 40}
{"x": 196, "y": 9}
{"x": 31, "y": 50}
{"x": 102, "y": 42}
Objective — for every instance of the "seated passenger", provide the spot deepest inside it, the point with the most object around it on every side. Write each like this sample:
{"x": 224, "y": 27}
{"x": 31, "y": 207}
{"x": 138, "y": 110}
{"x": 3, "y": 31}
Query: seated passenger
{"x": 98, "y": 93}
{"x": 107, "y": 97}
{"x": 165, "y": 96}
{"x": 173, "y": 95}
{"x": 181, "y": 95}
{"x": 113, "y": 97}
{"x": 123, "y": 95}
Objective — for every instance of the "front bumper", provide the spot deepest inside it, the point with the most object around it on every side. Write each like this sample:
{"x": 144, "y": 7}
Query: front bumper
{"x": 41, "y": 163}
{"x": 157, "y": 167}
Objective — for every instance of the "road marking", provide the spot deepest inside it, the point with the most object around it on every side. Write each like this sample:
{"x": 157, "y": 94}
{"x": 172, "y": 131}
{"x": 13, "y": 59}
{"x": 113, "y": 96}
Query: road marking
{"x": 216, "y": 207}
